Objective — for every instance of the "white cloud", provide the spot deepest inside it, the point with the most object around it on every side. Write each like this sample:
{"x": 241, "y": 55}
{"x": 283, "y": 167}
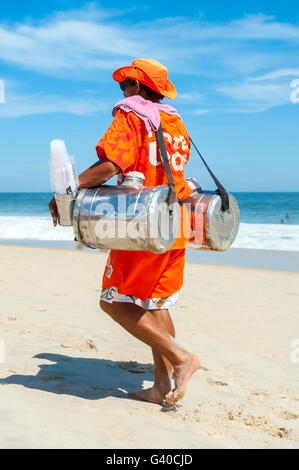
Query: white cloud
{"x": 189, "y": 97}
{"x": 200, "y": 112}
{"x": 90, "y": 43}
{"x": 258, "y": 94}
{"x": 18, "y": 104}
{"x": 70, "y": 43}
{"x": 277, "y": 74}
{"x": 257, "y": 97}
{"x": 64, "y": 46}
{"x": 250, "y": 27}
{"x": 92, "y": 39}
{"x": 258, "y": 27}
{"x": 2, "y": 91}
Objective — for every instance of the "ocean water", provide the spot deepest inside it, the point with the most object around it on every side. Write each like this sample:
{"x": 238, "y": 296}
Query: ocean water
{"x": 268, "y": 220}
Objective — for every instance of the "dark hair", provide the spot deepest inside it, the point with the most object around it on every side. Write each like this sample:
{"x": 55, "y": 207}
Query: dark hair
{"x": 151, "y": 94}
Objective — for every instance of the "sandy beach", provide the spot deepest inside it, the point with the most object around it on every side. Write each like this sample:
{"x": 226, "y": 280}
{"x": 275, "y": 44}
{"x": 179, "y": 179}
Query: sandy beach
{"x": 67, "y": 367}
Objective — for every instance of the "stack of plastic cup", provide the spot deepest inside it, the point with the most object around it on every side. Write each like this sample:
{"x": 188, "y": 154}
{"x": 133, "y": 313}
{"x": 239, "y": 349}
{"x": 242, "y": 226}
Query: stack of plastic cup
{"x": 64, "y": 181}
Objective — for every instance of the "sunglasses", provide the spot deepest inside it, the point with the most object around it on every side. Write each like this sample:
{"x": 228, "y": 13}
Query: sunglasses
{"x": 123, "y": 85}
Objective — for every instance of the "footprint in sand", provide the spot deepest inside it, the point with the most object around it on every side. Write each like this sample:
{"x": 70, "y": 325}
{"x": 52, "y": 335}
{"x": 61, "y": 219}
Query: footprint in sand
{"x": 98, "y": 387}
{"x": 260, "y": 394}
{"x": 216, "y": 382}
{"x": 285, "y": 414}
{"x": 258, "y": 423}
{"x": 83, "y": 347}
{"x": 46, "y": 378}
{"x": 36, "y": 309}
{"x": 134, "y": 367}
{"x": 9, "y": 318}
{"x": 21, "y": 332}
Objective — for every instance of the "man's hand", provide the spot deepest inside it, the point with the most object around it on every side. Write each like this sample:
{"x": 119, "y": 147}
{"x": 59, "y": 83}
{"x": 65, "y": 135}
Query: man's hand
{"x": 97, "y": 174}
{"x": 54, "y": 211}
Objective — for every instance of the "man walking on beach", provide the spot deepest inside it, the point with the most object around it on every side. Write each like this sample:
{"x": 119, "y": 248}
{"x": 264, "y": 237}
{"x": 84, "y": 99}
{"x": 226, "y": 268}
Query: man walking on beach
{"x": 139, "y": 287}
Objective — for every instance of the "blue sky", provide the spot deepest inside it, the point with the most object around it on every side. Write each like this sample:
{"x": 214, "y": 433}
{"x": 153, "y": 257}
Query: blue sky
{"x": 233, "y": 64}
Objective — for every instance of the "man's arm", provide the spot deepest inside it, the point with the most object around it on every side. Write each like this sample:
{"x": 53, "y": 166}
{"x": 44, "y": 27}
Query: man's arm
{"x": 97, "y": 174}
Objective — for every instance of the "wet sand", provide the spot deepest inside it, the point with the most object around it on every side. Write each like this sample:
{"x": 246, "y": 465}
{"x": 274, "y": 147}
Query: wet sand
{"x": 252, "y": 258}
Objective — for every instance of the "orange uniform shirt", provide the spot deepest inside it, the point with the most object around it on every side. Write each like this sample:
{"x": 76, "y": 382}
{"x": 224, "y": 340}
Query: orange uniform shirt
{"x": 128, "y": 144}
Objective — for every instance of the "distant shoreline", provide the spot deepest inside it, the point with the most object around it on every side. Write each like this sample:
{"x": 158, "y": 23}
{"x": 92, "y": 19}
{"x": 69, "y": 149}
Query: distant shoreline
{"x": 241, "y": 257}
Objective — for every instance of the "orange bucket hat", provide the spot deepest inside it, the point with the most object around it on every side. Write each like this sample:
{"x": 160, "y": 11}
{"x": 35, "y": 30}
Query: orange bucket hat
{"x": 149, "y": 72}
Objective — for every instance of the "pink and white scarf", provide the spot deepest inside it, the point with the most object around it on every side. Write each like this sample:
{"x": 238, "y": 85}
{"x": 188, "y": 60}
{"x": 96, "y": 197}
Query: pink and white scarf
{"x": 146, "y": 110}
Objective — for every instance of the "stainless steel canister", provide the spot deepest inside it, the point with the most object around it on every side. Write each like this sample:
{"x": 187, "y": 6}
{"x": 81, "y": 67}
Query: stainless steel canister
{"x": 133, "y": 179}
{"x": 125, "y": 218}
{"x": 212, "y": 228}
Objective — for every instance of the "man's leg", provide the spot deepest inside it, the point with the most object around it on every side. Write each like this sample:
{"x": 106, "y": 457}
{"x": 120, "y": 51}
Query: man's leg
{"x": 144, "y": 326}
{"x": 163, "y": 368}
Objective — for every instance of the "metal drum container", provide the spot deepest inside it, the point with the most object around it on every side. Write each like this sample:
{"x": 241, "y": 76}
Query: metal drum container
{"x": 132, "y": 179}
{"x": 125, "y": 218}
{"x": 211, "y": 227}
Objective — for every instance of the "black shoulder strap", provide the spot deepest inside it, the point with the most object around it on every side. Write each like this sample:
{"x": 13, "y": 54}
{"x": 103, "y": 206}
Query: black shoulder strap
{"x": 172, "y": 197}
{"x": 172, "y": 194}
{"x": 221, "y": 191}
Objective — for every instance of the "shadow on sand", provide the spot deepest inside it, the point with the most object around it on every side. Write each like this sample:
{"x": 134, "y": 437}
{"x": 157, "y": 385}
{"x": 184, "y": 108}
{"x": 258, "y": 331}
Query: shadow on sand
{"x": 91, "y": 379}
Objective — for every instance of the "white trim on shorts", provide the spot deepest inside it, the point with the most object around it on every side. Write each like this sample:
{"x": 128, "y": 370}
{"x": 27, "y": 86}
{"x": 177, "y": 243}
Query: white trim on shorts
{"x": 152, "y": 303}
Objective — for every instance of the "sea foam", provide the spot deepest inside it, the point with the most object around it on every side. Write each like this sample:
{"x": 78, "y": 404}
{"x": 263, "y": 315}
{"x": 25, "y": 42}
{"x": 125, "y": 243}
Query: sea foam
{"x": 268, "y": 237}
{"x": 32, "y": 228}
{"x": 258, "y": 236}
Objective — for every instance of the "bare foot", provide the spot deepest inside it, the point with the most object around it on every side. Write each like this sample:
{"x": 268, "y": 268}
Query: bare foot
{"x": 153, "y": 394}
{"x": 182, "y": 374}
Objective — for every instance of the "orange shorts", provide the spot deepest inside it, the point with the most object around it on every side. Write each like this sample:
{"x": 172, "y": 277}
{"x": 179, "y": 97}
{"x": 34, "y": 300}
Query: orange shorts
{"x": 144, "y": 274}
